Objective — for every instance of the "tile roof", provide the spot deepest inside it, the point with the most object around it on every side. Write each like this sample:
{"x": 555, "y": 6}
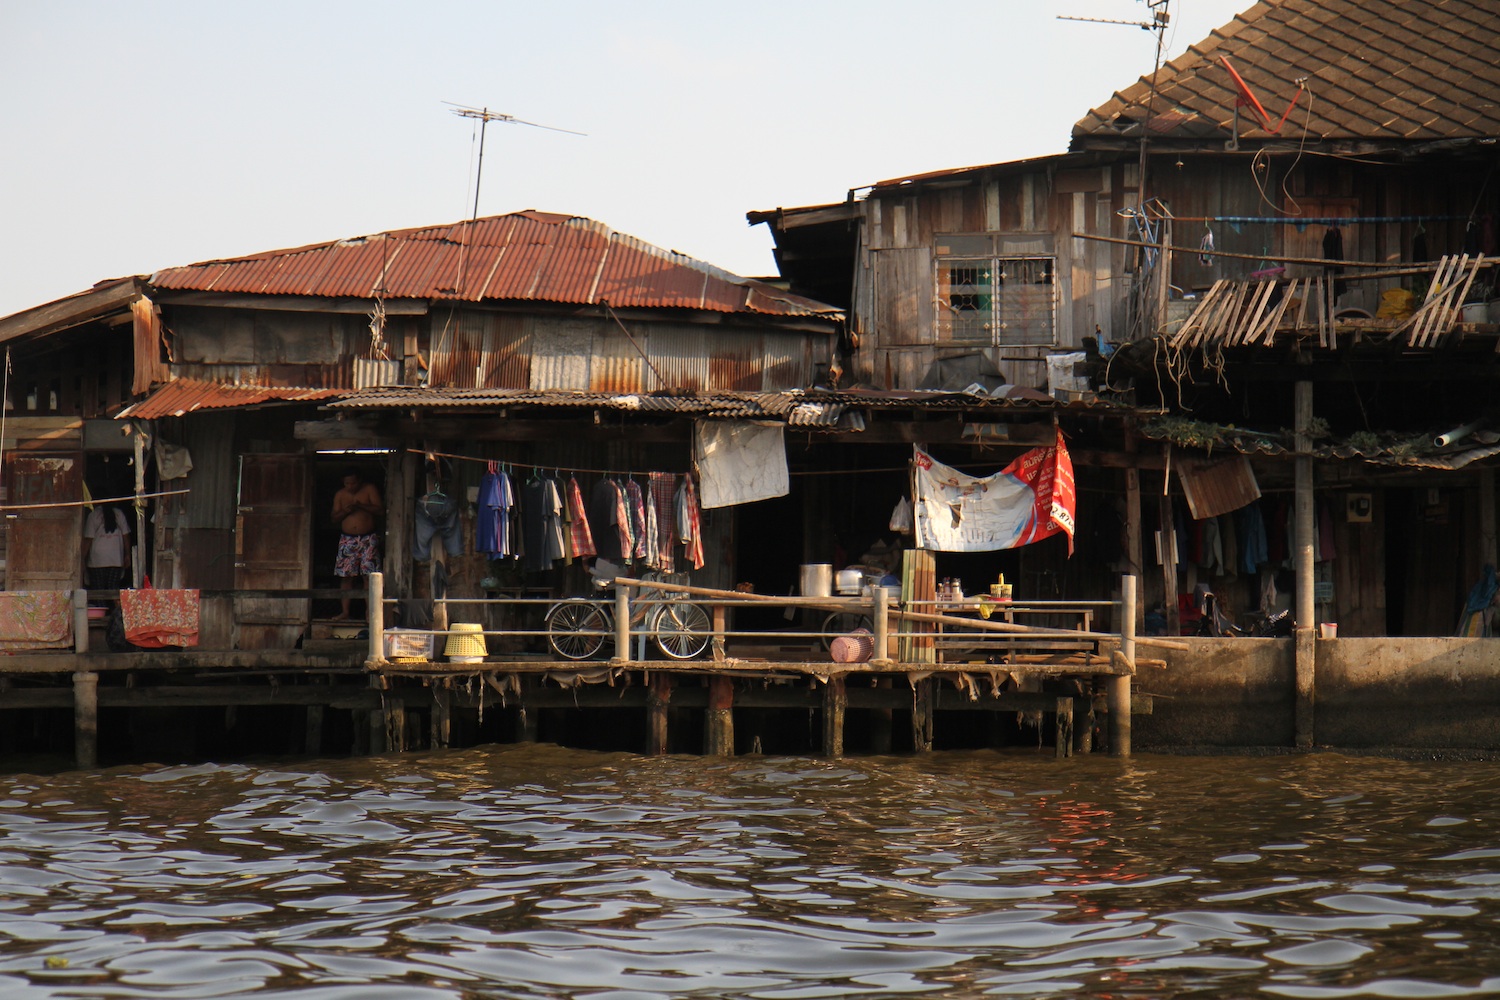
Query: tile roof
{"x": 525, "y": 256}
{"x": 1385, "y": 70}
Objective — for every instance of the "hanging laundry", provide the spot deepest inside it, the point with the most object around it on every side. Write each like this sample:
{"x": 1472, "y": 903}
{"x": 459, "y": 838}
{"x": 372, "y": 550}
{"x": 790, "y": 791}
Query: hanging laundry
{"x": 1251, "y": 532}
{"x": 624, "y": 523}
{"x": 604, "y": 510}
{"x": 689, "y": 522}
{"x": 636, "y": 503}
{"x": 663, "y": 488}
{"x": 493, "y": 535}
{"x": 580, "y": 538}
{"x": 1206, "y": 248}
{"x": 541, "y": 523}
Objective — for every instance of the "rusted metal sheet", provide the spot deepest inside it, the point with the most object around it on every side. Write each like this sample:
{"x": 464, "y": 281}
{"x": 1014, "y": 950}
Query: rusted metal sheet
{"x": 187, "y": 395}
{"x": 479, "y": 350}
{"x": 528, "y": 256}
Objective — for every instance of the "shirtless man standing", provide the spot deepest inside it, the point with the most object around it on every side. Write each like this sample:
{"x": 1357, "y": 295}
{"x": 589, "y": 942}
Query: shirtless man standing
{"x": 355, "y": 508}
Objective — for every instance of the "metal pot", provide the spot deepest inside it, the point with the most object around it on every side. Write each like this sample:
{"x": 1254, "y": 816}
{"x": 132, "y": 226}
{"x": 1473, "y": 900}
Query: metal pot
{"x": 849, "y": 581}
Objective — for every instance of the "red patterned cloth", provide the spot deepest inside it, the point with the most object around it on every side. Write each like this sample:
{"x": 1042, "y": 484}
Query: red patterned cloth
{"x": 155, "y": 618}
{"x": 580, "y": 538}
{"x": 36, "y": 619}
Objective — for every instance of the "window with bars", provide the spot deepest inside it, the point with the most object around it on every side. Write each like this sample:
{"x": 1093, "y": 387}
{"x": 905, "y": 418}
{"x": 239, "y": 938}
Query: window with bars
{"x": 994, "y": 300}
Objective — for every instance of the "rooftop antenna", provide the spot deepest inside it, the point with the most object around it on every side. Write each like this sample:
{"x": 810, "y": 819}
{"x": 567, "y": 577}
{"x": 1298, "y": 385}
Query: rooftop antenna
{"x": 1158, "y": 21}
{"x": 484, "y": 116}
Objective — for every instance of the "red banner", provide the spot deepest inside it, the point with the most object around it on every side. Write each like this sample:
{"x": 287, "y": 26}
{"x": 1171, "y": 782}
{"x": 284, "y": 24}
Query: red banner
{"x": 1049, "y": 474}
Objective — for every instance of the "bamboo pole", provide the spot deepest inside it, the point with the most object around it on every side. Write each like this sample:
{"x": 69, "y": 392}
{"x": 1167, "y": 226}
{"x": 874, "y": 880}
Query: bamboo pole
{"x": 916, "y": 616}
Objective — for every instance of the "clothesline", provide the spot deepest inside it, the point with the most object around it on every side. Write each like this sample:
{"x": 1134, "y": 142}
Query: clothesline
{"x": 89, "y": 503}
{"x": 535, "y": 465}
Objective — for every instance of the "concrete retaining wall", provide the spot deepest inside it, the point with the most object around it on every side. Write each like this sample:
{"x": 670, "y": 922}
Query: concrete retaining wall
{"x": 1439, "y": 692}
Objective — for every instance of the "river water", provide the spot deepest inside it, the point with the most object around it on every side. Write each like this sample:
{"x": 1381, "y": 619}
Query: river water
{"x": 539, "y": 872}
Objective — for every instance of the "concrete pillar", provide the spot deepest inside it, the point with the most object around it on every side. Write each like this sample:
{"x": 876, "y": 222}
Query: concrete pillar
{"x": 1117, "y": 688}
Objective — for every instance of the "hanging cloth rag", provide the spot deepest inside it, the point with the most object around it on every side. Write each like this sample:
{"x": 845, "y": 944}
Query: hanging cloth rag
{"x": 1476, "y": 619}
{"x": 580, "y": 539}
{"x": 689, "y": 522}
{"x": 1206, "y": 248}
{"x": 637, "y": 503}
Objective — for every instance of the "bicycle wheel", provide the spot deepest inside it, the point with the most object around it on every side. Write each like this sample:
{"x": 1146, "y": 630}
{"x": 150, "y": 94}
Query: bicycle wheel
{"x": 681, "y": 630}
{"x": 576, "y": 630}
{"x": 842, "y": 623}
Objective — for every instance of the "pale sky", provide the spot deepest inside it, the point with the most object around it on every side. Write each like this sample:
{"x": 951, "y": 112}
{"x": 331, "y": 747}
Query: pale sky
{"x": 143, "y": 135}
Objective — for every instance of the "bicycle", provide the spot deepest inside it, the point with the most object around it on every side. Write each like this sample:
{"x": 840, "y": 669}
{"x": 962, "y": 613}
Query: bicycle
{"x": 578, "y": 627}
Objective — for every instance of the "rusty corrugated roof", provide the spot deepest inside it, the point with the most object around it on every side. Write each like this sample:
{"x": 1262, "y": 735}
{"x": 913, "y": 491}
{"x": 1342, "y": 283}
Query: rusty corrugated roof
{"x": 1376, "y": 69}
{"x": 186, "y": 395}
{"x": 526, "y": 256}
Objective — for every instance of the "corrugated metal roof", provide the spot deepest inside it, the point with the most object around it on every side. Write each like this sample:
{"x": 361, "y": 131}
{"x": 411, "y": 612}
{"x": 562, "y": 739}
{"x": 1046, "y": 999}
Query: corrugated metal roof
{"x": 186, "y": 395}
{"x": 526, "y": 256}
{"x": 811, "y": 408}
{"x": 1376, "y": 69}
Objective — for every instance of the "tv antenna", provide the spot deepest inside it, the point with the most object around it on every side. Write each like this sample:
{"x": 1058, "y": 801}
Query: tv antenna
{"x": 484, "y": 116}
{"x": 1158, "y": 23}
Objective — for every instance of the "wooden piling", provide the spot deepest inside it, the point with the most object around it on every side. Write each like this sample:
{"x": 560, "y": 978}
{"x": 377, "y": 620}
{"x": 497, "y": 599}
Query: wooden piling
{"x": 719, "y": 725}
{"x": 1083, "y": 721}
{"x": 924, "y": 699}
{"x": 395, "y": 722}
{"x": 1117, "y": 688}
{"x": 86, "y": 719}
{"x": 80, "y": 621}
{"x": 1064, "y": 726}
{"x": 835, "y": 702}
{"x": 442, "y": 715}
{"x": 1302, "y": 562}
{"x": 658, "y": 709}
{"x": 312, "y": 733}
{"x": 880, "y": 722}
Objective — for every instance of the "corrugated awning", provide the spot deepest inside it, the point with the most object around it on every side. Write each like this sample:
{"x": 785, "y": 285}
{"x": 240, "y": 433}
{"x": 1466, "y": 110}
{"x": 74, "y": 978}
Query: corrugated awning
{"x": 186, "y": 395}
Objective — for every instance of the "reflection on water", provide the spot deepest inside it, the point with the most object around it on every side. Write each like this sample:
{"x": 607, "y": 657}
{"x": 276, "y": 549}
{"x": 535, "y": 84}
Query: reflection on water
{"x": 540, "y": 872}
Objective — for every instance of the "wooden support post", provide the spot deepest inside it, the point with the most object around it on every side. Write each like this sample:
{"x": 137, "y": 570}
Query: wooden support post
{"x": 721, "y": 617}
{"x": 880, "y": 723}
{"x": 658, "y": 709}
{"x": 395, "y": 723}
{"x": 1302, "y": 562}
{"x": 442, "y": 716}
{"x": 375, "y": 610}
{"x": 376, "y": 727}
{"x": 924, "y": 697}
{"x": 1117, "y": 688}
{"x": 1064, "y": 726}
{"x": 80, "y": 620}
{"x": 881, "y": 615}
{"x": 719, "y": 724}
{"x": 312, "y": 740}
{"x": 835, "y": 703}
{"x": 1134, "y": 553}
{"x": 622, "y": 623}
{"x": 1168, "y": 551}
{"x": 86, "y": 719}
{"x": 1083, "y": 721}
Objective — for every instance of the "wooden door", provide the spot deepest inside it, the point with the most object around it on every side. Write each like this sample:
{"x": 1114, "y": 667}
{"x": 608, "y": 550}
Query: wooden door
{"x": 43, "y": 545}
{"x": 272, "y": 549}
